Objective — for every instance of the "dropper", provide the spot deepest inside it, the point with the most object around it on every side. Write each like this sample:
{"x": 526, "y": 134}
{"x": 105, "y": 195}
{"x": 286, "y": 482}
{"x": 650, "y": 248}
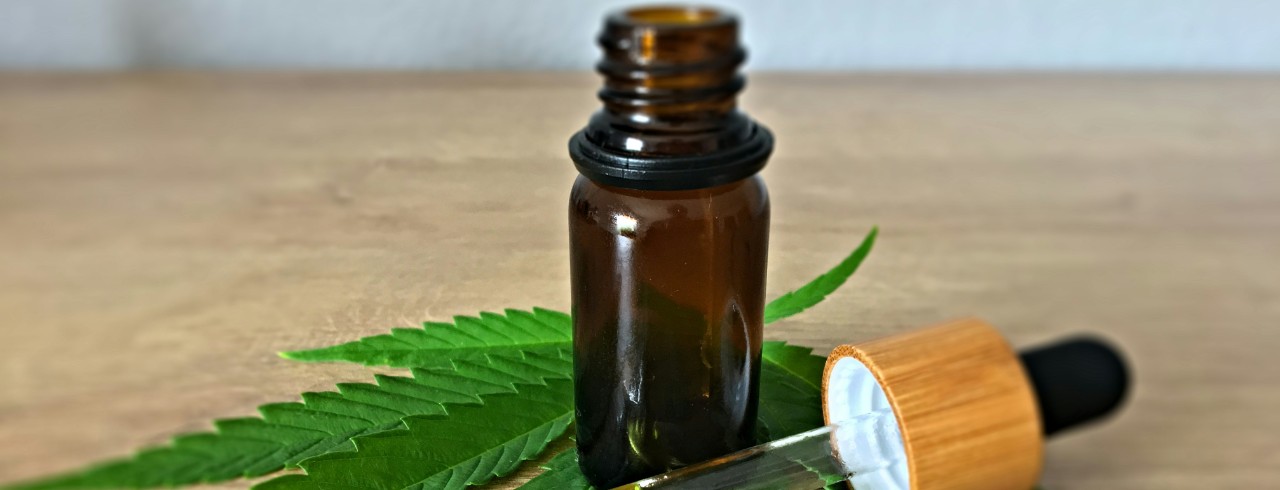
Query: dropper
{"x": 977, "y": 434}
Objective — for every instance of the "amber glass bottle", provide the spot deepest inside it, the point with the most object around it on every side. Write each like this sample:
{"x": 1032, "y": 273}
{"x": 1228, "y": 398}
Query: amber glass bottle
{"x": 669, "y": 228}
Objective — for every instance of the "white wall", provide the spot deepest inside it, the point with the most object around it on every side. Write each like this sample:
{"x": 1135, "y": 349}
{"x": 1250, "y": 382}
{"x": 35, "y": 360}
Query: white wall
{"x": 558, "y": 34}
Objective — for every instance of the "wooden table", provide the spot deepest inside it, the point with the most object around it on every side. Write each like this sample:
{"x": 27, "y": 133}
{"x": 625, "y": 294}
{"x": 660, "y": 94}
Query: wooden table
{"x": 163, "y": 235}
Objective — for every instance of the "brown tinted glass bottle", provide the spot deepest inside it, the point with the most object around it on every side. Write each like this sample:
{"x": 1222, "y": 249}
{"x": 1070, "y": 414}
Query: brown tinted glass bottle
{"x": 669, "y": 227}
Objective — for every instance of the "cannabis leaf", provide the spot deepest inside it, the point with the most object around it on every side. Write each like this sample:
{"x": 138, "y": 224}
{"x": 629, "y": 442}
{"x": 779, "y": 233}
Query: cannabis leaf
{"x": 436, "y": 344}
{"x": 790, "y": 390}
{"x": 789, "y": 404}
{"x": 561, "y": 473}
{"x": 441, "y": 427}
{"x": 816, "y": 290}
{"x": 469, "y": 446}
{"x": 798, "y": 361}
{"x": 288, "y": 433}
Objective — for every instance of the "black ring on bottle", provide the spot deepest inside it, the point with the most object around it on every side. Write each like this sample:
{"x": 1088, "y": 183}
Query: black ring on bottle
{"x": 669, "y": 173}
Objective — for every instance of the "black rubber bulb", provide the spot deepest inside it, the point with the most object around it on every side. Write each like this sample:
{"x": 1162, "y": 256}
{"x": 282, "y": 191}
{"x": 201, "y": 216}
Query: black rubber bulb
{"x": 1077, "y": 381}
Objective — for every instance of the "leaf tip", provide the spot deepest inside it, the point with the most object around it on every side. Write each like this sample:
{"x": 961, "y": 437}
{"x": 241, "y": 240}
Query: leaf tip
{"x": 302, "y": 355}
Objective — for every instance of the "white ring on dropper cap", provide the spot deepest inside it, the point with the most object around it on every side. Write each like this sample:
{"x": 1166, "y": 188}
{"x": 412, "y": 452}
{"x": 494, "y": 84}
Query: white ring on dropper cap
{"x": 867, "y": 441}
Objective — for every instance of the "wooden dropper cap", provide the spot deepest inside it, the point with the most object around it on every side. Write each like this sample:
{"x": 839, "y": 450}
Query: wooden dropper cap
{"x": 972, "y": 414}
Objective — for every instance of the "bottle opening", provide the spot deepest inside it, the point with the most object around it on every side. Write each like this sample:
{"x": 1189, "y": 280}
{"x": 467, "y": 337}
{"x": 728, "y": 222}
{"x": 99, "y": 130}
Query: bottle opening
{"x": 672, "y": 15}
{"x": 669, "y": 117}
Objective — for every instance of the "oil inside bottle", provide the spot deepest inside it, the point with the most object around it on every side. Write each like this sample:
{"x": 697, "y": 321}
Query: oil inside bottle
{"x": 668, "y": 303}
{"x": 669, "y": 233}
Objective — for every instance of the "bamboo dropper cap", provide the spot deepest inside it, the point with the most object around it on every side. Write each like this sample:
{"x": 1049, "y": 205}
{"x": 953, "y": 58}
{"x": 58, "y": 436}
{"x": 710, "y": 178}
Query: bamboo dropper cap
{"x": 972, "y": 414}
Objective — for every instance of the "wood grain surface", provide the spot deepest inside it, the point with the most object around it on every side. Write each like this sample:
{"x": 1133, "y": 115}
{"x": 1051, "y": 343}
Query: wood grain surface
{"x": 163, "y": 235}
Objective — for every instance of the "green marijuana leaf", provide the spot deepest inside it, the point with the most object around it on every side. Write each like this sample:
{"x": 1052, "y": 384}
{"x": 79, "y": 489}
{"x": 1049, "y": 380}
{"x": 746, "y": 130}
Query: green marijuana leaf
{"x": 816, "y": 290}
{"x": 790, "y": 390}
{"x": 561, "y": 474}
{"x": 462, "y": 419}
{"x": 288, "y": 433}
{"x": 789, "y": 404}
{"x": 469, "y": 446}
{"x": 436, "y": 344}
{"x": 798, "y": 361}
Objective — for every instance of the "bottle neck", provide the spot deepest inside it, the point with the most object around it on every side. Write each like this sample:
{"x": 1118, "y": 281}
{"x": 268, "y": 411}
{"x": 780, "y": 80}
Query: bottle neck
{"x": 669, "y": 117}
